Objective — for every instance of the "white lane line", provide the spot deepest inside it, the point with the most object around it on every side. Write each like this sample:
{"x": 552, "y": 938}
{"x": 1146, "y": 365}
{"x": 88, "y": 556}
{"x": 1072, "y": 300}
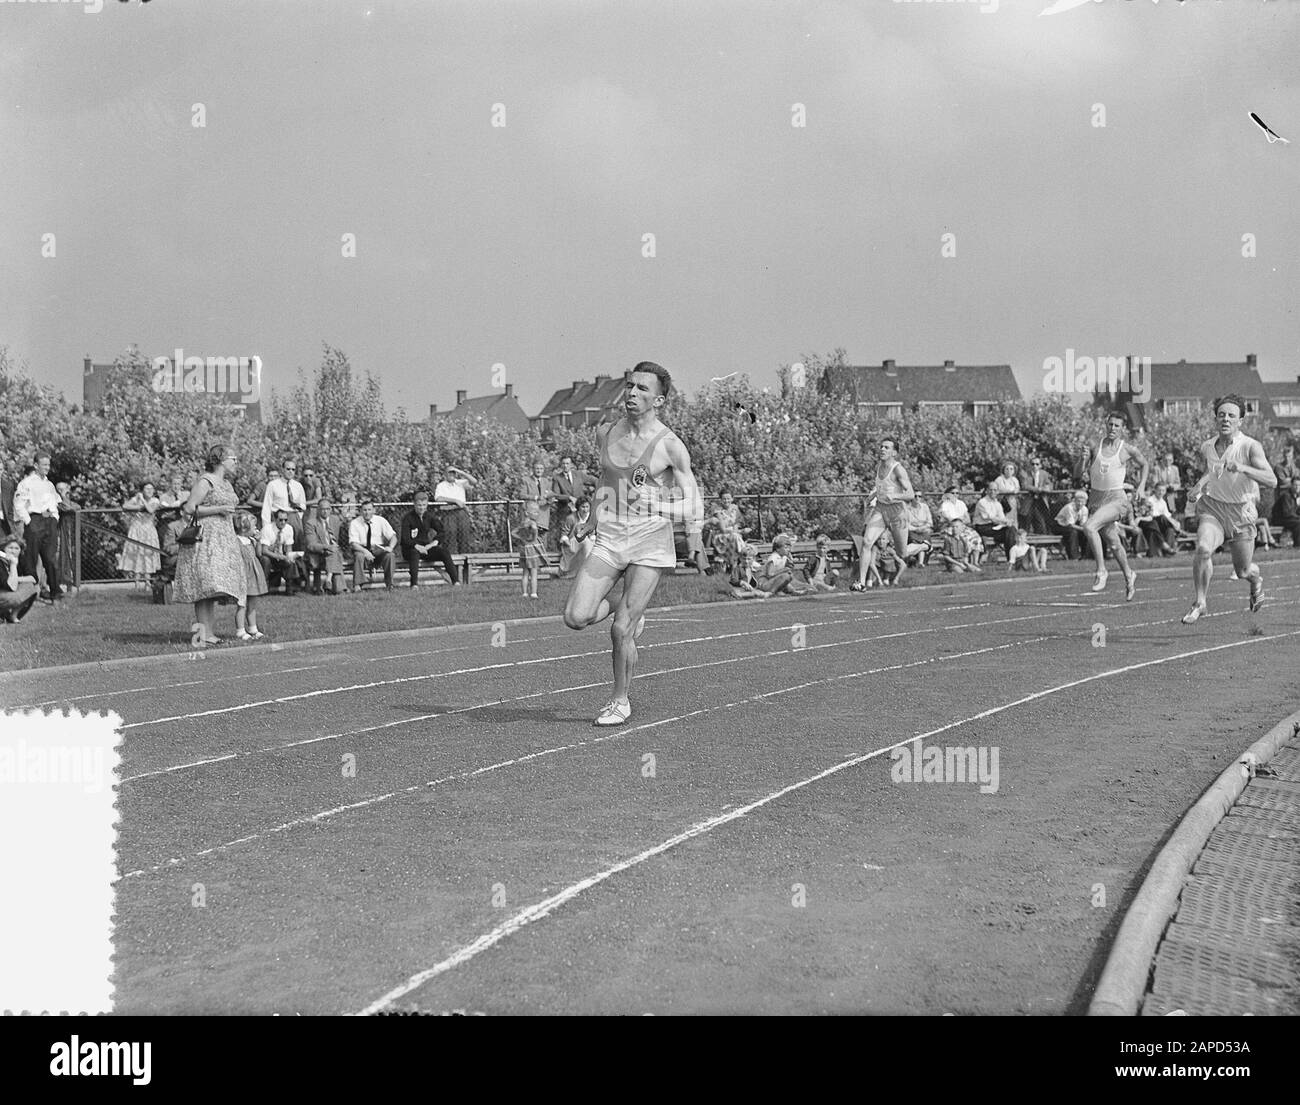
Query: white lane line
{"x": 546, "y": 906}
{"x": 272, "y": 749}
{"x": 505, "y": 664}
{"x": 581, "y": 687}
{"x": 461, "y": 648}
{"x": 618, "y": 734}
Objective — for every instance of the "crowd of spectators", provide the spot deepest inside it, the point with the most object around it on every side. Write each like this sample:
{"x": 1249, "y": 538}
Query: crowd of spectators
{"x": 305, "y": 541}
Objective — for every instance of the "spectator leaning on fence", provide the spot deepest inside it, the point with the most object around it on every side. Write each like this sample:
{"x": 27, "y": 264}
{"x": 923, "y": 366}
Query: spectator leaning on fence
{"x": 1037, "y": 483}
{"x": 67, "y": 535}
{"x": 451, "y": 497}
{"x": 374, "y": 542}
{"x": 1008, "y": 487}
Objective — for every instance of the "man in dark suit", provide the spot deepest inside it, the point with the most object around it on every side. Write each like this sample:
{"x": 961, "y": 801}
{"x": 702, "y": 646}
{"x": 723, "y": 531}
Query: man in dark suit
{"x": 1286, "y": 509}
{"x": 568, "y": 486}
{"x": 422, "y": 540}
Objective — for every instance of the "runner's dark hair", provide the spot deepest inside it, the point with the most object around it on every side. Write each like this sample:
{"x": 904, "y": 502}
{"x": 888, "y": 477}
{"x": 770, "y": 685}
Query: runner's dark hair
{"x": 660, "y": 373}
{"x": 1241, "y": 403}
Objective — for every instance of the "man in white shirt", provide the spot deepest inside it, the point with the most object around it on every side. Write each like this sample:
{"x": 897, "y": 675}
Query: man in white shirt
{"x": 450, "y": 497}
{"x": 1158, "y": 526}
{"x": 1069, "y": 523}
{"x": 276, "y": 551}
{"x": 990, "y": 520}
{"x": 285, "y": 493}
{"x": 36, "y": 506}
{"x": 373, "y": 541}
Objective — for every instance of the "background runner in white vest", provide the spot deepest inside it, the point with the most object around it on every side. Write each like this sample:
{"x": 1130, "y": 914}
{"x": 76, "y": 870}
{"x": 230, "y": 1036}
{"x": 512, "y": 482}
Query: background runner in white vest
{"x": 1225, "y": 497}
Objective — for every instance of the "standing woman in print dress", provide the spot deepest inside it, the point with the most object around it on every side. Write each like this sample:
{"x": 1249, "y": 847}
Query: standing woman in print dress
{"x": 212, "y": 570}
{"x": 140, "y": 557}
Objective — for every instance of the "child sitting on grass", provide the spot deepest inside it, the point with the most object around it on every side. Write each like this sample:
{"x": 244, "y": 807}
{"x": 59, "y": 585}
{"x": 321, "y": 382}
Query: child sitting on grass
{"x": 745, "y": 585}
{"x": 1025, "y": 555}
{"x": 778, "y": 572}
{"x": 817, "y": 568}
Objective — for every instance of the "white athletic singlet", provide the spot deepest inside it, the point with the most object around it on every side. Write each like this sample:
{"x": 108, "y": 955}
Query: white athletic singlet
{"x": 1106, "y": 473}
{"x": 613, "y": 516}
{"x": 889, "y": 488}
{"x": 1229, "y": 487}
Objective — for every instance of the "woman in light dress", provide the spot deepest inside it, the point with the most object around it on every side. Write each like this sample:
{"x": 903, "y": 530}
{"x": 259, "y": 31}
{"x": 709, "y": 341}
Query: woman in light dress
{"x": 212, "y": 570}
{"x": 139, "y": 557}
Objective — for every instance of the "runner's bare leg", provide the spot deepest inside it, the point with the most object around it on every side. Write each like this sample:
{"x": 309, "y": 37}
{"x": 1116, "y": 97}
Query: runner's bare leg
{"x": 639, "y": 583}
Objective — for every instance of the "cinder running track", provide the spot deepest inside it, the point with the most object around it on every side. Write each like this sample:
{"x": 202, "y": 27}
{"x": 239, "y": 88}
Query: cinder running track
{"x": 493, "y": 852}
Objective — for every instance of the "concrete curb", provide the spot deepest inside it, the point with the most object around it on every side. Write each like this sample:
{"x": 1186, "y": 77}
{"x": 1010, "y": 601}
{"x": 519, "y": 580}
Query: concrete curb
{"x": 21, "y": 674}
{"x": 1123, "y": 982}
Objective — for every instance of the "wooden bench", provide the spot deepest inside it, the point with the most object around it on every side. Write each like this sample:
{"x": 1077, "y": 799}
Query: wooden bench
{"x": 469, "y": 563}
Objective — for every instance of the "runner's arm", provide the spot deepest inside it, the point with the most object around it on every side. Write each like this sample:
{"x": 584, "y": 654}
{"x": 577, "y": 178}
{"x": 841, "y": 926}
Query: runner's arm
{"x": 1258, "y": 470}
{"x": 686, "y": 505}
{"x": 905, "y": 482}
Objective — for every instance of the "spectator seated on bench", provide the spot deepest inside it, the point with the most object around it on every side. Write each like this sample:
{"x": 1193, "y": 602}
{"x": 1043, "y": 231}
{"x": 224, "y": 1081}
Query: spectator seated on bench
{"x": 1069, "y": 524}
{"x": 989, "y": 520}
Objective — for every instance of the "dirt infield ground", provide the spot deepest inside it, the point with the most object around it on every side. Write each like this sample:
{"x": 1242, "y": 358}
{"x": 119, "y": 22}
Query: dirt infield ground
{"x": 493, "y": 852}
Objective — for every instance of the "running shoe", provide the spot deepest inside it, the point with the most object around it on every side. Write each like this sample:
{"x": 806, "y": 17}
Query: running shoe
{"x": 1256, "y": 591}
{"x": 614, "y": 713}
{"x": 1194, "y": 613}
{"x": 1100, "y": 582}
{"x": 857, "y": 587}
{"x": 1130, "y": 586}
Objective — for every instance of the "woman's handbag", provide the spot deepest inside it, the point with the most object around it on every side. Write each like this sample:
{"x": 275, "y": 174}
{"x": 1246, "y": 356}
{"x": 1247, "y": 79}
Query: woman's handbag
{"x": 191, "y": 534}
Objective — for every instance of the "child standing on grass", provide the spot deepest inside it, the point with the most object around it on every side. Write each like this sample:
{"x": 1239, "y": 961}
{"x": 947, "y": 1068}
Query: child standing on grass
{"x": 532, "y": 553}
{"x": 254, "y": 577}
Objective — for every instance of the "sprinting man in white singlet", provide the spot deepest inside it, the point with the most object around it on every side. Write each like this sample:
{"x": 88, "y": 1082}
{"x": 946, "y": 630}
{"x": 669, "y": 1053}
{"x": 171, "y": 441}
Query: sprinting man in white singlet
{"x": 645, "y": 485}
{"x": 1106, "y": 464}
{"x": 887, "y": 510}
{"x": 1235, "y": 468}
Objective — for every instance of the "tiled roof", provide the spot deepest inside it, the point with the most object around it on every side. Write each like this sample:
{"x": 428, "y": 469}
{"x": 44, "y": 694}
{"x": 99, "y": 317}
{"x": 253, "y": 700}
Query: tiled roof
{"x": 913, "y": 384}
{"x": 504, "y": 408}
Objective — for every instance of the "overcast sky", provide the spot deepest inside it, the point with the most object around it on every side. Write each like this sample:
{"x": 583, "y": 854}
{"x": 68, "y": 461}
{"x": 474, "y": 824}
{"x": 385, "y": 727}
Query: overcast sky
{"x": 523, "y": 244}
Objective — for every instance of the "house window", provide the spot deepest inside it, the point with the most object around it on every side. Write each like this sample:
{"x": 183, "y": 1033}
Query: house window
{"x": 1252, "y": 406}
{"x": 982, "y": 407}
{"x": 944, "y": 407}
{"x": 882, "y": 410}
{"x": 1182, "y": 406}
{"x": 1287, "y": 408}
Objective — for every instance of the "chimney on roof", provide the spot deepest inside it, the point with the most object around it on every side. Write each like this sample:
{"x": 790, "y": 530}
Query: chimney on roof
{"x": 461, "y": 396}
{"x": 433, "y": 409}
{"x": 950, "y": 366}
{"x": 602, "y": 379}
{"x": 1250, "y": 360}
{"x": 578, "y": 385}
{"x": 891, "y": 369}
{"x": 510, "y": 391}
